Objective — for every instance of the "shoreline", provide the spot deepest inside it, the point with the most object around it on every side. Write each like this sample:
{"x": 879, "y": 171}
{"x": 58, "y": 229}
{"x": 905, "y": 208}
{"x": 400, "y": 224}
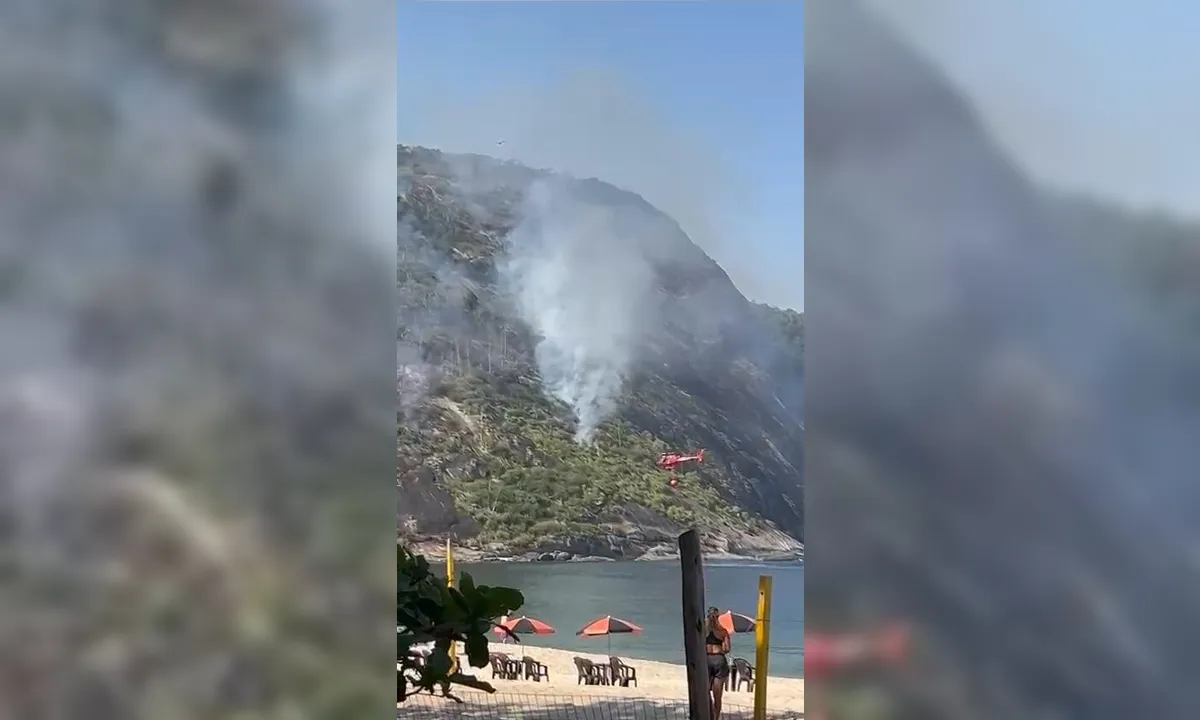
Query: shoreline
{"x": 495, "y": 560}
{"x": 435, "y": 550}
{"x": 657, "y": 681}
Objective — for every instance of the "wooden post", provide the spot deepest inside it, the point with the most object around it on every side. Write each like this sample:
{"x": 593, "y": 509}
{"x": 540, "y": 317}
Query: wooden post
{"x": 762, "y": 636}
{"x": 692, "y": 567}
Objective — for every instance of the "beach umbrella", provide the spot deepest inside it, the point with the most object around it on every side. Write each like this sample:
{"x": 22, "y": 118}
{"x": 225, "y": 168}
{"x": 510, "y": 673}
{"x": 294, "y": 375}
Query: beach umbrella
{"x": 736, "y": 622}
{"x": 523, "y": 626}
{"x": 609, "y": 626}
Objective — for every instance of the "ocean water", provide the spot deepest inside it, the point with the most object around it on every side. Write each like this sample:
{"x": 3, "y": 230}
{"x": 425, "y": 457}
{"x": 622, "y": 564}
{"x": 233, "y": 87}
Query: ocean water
{"x": 570, "y": 595}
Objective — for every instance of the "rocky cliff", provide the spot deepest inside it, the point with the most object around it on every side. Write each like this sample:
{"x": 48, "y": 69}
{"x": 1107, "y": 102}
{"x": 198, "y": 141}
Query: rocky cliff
{"x": 556, "y": 335}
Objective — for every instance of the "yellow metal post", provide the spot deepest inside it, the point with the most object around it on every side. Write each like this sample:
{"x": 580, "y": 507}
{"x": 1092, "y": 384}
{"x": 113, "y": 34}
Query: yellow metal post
{"x": 762, "y": 635}
{"x": 450, "y": 583}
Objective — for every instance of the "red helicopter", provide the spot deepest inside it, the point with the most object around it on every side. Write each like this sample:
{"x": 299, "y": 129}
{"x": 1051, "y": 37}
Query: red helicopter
{"x": 670, "y": 462}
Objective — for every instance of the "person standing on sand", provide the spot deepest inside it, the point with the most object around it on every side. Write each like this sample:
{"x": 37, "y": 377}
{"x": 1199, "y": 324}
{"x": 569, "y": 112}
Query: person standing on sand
{"x": 716, "y": 646}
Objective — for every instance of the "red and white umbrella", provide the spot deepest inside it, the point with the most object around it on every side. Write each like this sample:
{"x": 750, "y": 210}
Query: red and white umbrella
{"x": 523, "y": 625}
{"x": 608, "y": 626}
{"x": 736, "y": 622}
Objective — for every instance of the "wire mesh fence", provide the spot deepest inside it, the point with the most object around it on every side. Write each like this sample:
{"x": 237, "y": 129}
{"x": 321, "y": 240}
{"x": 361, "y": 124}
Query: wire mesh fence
{"x": 506, "y": 706}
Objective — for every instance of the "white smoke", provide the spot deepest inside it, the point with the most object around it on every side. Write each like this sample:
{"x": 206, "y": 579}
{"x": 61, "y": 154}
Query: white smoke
{"x": 582, "y": 283}
{"x": 43, "y": 432}
{"x": 412, "y": 379}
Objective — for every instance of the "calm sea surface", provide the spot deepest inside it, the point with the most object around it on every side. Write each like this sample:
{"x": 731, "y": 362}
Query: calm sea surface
{"x": 570, "y": 595}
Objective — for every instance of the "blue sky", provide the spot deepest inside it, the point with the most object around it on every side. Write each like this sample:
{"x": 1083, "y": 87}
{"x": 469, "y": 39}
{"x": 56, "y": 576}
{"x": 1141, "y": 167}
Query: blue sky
{"x": 1091, "y": 95}
{"x": 698, "y": 106}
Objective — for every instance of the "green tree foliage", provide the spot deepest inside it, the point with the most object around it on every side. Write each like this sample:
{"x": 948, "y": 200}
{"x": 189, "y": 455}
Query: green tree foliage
{"x": 427, "y": 610}
{"x": 517, "y": 471}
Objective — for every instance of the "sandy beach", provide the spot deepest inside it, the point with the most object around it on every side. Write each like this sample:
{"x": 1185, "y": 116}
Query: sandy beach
{"x": 661, "y": 692}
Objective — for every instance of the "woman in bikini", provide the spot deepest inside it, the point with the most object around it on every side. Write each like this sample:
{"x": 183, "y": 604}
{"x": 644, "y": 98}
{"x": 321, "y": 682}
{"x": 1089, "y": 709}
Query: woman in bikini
{"x": 716, "y": 646}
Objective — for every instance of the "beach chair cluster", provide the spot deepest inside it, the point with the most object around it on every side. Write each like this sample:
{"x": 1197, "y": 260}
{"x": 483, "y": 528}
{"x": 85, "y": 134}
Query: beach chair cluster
{"x": 614, "y": 672}
{"x": 741, "y": 672}
{"x": 506, "y": 667}
{"x": 418, "y": 656}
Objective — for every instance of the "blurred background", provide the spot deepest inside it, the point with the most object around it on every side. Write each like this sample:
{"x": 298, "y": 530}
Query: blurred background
{"x": 1003, "y": 296}
{"x": 197, "y": 369}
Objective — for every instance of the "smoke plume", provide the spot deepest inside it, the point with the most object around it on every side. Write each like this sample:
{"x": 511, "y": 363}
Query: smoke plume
{"x": 583, "y": 284}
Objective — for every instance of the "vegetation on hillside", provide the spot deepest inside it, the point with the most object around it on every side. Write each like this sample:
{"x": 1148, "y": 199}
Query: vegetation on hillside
{"x": 508, "y": 458}
{"x": 791, "y": 327}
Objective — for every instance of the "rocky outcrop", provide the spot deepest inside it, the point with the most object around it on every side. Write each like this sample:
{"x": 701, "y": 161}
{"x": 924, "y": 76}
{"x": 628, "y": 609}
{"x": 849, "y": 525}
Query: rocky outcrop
{"x": 429, "y": 509}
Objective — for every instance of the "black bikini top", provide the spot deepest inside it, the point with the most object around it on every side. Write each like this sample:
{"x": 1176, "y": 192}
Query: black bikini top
{"x": 713, "y": 638}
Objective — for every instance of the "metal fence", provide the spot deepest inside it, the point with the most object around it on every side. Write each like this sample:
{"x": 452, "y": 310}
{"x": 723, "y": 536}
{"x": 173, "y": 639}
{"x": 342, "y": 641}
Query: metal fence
{"x": 506, "y": 706}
